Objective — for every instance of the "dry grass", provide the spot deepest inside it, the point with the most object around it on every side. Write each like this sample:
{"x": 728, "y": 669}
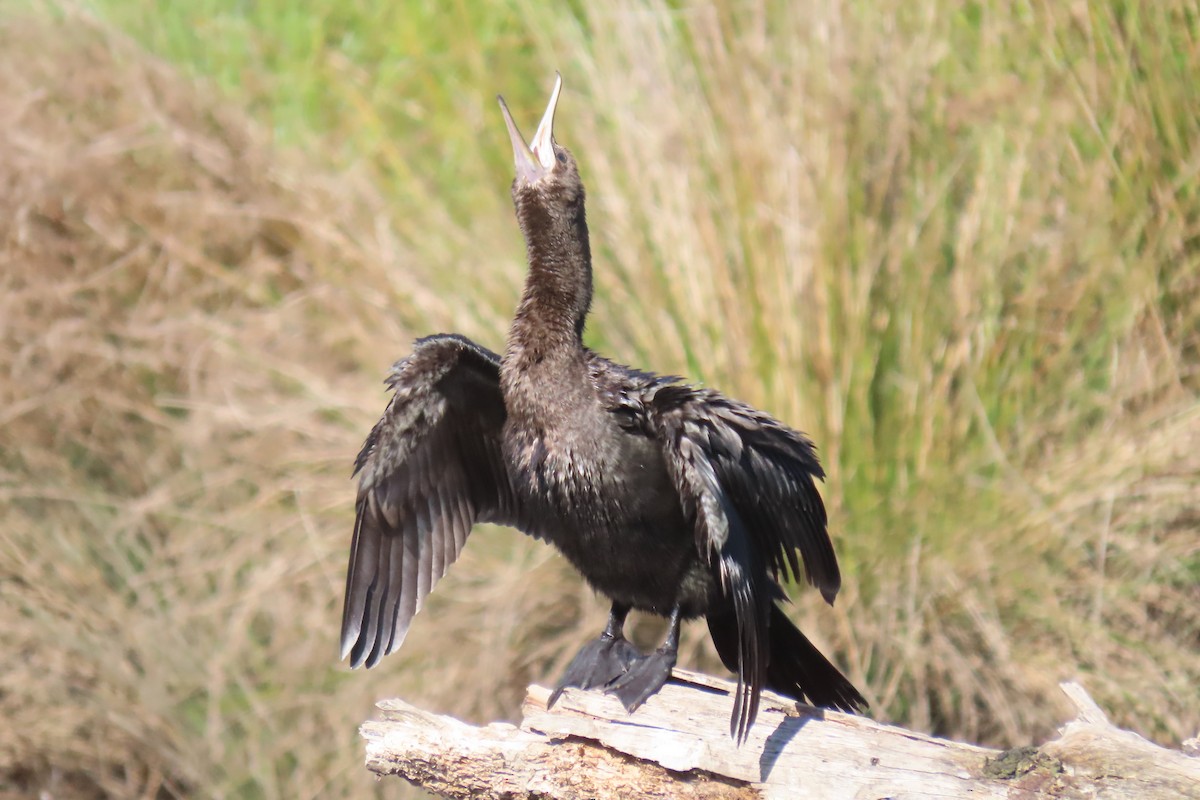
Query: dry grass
{"x": 190, "y": 330}
{"x": 959, "y": 250}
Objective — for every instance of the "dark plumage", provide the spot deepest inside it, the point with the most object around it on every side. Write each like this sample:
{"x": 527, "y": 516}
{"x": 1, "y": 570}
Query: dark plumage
{"x": 667, "y": 498}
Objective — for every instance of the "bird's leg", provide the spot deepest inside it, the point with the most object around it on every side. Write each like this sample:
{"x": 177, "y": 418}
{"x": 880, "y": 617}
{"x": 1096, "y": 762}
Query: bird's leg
{"x": 648, "y": 675}
{"x": 600, "y": 661}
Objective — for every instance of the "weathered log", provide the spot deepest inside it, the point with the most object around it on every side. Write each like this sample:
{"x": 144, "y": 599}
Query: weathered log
{"x": 677, "y": 746}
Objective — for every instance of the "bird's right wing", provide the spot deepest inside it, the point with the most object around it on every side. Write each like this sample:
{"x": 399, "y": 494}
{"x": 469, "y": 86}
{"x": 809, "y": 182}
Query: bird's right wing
{"x": 430, "y": 469}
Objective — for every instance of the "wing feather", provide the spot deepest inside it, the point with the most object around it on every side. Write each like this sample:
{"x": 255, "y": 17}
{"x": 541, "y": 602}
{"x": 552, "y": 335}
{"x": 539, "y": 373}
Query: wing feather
{"x": 767, "y": 470}
{"x": 722, "y": 538}
{"x": 749, "y": 484}
{"x": 430, "y": 469}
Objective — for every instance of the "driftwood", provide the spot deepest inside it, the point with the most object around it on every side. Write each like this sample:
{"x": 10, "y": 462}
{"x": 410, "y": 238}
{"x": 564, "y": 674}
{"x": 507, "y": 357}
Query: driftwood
{"x": 677, "y": 746}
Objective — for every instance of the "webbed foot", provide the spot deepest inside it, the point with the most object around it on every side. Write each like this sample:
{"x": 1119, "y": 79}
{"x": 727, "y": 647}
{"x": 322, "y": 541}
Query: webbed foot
{"x": 643, "y": 679}
{"x": 598, "y": 664}
{"x": 602, "y": 661}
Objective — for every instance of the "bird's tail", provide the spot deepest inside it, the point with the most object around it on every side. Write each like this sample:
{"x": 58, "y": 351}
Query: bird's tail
{"x": 796, "y": 667}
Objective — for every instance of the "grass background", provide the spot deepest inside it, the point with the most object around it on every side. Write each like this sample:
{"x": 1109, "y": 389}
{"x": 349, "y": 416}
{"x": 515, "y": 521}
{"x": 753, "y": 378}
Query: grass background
{"x": 956, "y": 242}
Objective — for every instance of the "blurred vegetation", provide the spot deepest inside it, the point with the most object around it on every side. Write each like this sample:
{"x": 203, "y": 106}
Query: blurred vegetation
{"x": 958, "y": 243}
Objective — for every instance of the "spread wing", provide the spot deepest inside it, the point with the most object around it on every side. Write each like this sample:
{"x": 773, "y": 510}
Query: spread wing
{"x": 429, "y": 470}
{"x": 748, "y": 484}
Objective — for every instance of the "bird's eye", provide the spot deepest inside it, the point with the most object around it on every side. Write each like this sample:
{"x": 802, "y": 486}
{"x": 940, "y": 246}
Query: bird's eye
{"x": 562, "y": 158}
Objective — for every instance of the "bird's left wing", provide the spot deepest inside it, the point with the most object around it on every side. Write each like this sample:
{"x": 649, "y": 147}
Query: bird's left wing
{"x": 430, "y": 469}
{"x": 748, "y": 484}
{"x": 764, "y": 469}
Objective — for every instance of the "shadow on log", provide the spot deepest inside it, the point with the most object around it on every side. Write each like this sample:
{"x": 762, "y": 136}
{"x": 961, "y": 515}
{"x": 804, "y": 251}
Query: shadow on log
{"x": 677, "y": 746}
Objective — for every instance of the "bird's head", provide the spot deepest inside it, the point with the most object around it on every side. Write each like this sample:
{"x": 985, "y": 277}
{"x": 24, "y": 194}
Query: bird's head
{"x": 546, "y": 171}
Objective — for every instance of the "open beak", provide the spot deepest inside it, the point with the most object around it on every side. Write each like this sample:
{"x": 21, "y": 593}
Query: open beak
{"x": 535, "y": 160}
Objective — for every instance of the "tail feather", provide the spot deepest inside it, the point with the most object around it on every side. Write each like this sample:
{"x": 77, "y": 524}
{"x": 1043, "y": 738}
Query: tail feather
{"x": 796, "y": 667}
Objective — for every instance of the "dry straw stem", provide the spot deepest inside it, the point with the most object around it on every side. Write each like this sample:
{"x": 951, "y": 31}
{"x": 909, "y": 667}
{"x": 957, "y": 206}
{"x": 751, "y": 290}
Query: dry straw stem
{"x": 959, "y": 250}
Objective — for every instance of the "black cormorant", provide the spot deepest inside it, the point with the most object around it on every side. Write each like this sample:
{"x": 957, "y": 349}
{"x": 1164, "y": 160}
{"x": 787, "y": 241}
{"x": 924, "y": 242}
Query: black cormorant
{"x": 668, "y": 498}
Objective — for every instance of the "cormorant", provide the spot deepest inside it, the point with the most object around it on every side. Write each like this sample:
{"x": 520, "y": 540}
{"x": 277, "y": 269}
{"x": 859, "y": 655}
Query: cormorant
{"x": 668, "y": 498}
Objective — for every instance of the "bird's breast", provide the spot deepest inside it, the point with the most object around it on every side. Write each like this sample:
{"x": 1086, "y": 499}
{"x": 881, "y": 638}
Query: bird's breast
{"x": 588, "y": 467}
{"x": 604, "y": 498}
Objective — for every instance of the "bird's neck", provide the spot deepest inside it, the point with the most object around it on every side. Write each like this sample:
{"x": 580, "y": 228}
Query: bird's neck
{"x": 558, "y": 288}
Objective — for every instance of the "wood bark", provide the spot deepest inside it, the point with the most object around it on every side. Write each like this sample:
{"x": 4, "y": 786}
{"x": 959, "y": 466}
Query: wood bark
{"x": 677, "y": 746}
